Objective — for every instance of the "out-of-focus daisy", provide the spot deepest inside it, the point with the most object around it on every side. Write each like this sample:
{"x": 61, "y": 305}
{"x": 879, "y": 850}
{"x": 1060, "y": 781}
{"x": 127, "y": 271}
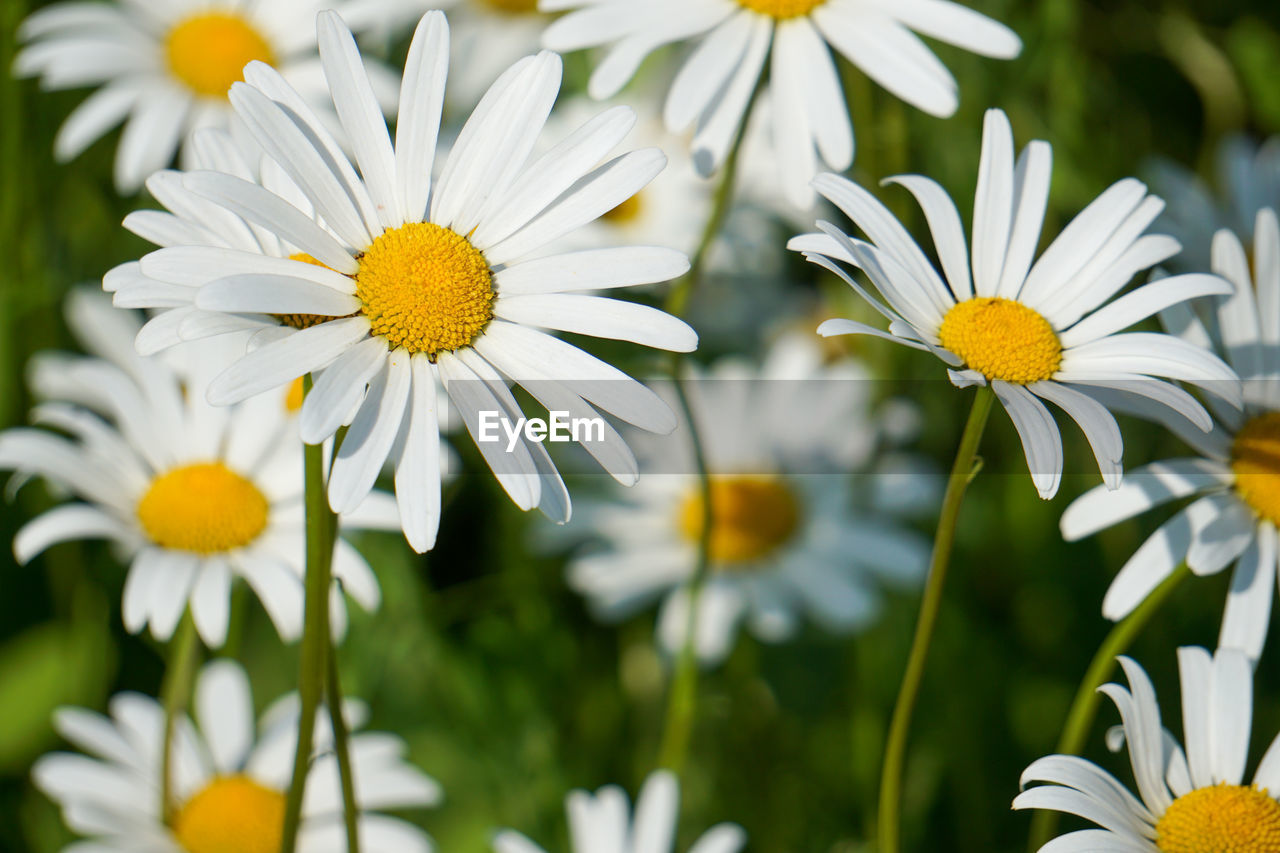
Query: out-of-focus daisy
{"x": 1236, "y": 479}
{"x": 194, "y": 495}
{"x": 1189, "y": 801}
{"x": 1048, "y": 331}
{"x": 713, "y": 89}
{"x": 229, "y": 777}
{"x": 164, "y": 68}
{"x": 602, "y": 821}
{"x": 423, "y": 283}
{"x": 788, "y": 537}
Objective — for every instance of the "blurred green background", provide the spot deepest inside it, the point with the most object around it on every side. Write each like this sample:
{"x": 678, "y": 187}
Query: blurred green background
{"x": 489, "y": 667}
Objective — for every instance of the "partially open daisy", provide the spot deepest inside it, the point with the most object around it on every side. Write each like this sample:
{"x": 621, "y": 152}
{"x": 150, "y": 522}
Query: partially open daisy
{"x": 164, "y": 68}
{"x": 602, "y": 821}
{"x": 195, "y": 496}
{"x": 1191, "y": 801}
{"x": 1048, "y": 331}
{"x": 1235, "y": 481}
{"x": 713, "y": 88}
{"x": 230, "y": 776}
{"x": 788, "y": 538}
{"x": 421, "y": 283}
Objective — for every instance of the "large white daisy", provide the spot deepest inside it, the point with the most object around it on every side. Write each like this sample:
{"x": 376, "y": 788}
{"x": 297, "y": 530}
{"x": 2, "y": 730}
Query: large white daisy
{"x": 1190, "y": 801}
{"x": 164, "y": 68}
{"x": 713, "y": 88}
{"x": 789, "y": 538}
{"x": 194, "y": 495}
{"x": 423, "y": 283}
{"x": 1048, "y": 331}
{"x": 1236, "y": 478}
{"x": 602, "y": 822}
{"x": 230, "y": 776}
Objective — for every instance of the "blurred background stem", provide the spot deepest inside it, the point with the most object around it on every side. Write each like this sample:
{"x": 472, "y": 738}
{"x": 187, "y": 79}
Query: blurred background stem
{"x": 184, "y": 656}
{"x": 342, "y": 747}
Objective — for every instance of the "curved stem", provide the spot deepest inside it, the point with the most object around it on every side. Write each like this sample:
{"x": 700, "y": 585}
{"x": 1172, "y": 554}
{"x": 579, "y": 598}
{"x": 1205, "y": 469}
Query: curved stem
{"x": 321, "y": 531}
{"x": 1084, "y": 707}
{"x": 342, "y": 747}
{"x": 962, "y": 472}
{"x": 184, "y": 655}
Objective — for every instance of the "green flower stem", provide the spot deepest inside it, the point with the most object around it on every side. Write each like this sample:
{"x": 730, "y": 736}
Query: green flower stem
{"x": 1084, "y": 707}
{"x": 180, "y": 670}
{"x": 321, "y": 532}
{"x": 962, "y": 473}
{"x": 342, "y": 746}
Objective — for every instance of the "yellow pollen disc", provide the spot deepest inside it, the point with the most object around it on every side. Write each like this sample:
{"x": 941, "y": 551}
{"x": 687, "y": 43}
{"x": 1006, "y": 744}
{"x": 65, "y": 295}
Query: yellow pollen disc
{"x": 1002, "y": 339}
{"x": 750, "y": 517}
{"x": 425, "y": 288}
{"x": 293, "y": 399}
{"x": 205, "y": 508}
{"x": 512, "y": 7}
{"x": 208, "y": 52}
{"x": 1221, "y": 819}
{"x": 1255, "y": 459}
{"x": 627, "y": 212}
{"x": 305, "y": 321}
{"x": 233, "y": 814}
{"x": 781, "y": 9}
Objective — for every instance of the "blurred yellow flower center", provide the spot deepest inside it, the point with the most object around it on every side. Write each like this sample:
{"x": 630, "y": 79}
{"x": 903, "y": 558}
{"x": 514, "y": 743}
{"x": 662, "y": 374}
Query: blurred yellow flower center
{"x": 425, "y": 288}
{"x": 1255, "y": 459}
{"x": 782, "y": 9}
{"x": 304, "y": 321}
{"x": 233, "y": 814}
{"x": 627, "y": 212}
{"x": 750, "y": 517}
{"x": 512, "y": 7}
{"x": 1221, "y": 819}
{"x": 208, "y": 52}
{"x": 1002, "y": 339}
{"x": 206, "y": 508}
{"x": 294, "y": 396}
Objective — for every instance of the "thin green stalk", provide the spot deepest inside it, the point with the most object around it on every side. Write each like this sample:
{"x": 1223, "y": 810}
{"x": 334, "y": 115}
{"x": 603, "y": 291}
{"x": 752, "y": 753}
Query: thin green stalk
{"x": 342, "y": 747}
{"x": 962, "y": 473}
{"x": 180, "y": 670}
{"x": 1084, "y": 707}
{"x": 321, "y": 532}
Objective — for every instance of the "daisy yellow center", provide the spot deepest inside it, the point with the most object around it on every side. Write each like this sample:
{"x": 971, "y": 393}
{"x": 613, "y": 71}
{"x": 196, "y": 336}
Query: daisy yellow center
{"x": 303, "y": 321}
{"x": 205, "y": 508}
{"x": 294, "y": 396}
{"x": 781, "y": 9}
{"x": 233, "y": 814}
{"x": 512, "y": 7}
{"x": 1221, "y": 819}
{"x": 627, "y": 212}
{"x": 208, "y": 52}
{"x": 1255, "y": 459}
{"x": 1002, "y": 339}
{"x": 425, "y": 288}
{"x": 750, "y": 517}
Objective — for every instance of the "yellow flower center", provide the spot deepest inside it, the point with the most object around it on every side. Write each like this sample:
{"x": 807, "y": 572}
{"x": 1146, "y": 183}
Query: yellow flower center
{"x": 1221, "y": 819}
{"x": 512, "y": 7}
{"x": 627, "y": 212}
{"x": 425, "y": 288}
{"x": 750, "y": 517}
{"x": 1255, "y": 459}
{"x": 1002, "y": 339}
{"x": 206, "y": 508}
{"x": 781, "y": 9}
{"x": 208, "y": 52}
{"x": 294, "y": 396}
{"x": 233, "y": 814}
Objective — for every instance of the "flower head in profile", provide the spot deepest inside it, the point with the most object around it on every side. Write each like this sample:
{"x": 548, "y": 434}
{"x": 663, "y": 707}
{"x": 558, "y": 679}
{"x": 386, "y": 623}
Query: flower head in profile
{"x": 164, "y": 68}
{"x": 194, "y": 496}
{"x": 713, "y": 89}
{"x": 1192, "y": 797}
{"x": 415, "y": 282}
{"x": 229, "y": 777}
{"x": 603, "y": 821}
{"x": 1047, "y": 329}
{"x": 789, "y": 539}
{"x": 1235, "y": 480}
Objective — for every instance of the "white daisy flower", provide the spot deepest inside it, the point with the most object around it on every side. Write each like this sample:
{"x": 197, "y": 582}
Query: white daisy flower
{"x": 1042, "y": 331}
{"x": 164, "y": 68}
{"x": 1236, "y": 478}
{"x": 602, "y": 822}
{"x": 426, "y": 283}
{"x": 713, "y": 89}
{"x": 1188, "y": 801}
{"x": 194, "y": 496}
{"x": 230, "y": 777}
{"x": 788, "y": 538}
